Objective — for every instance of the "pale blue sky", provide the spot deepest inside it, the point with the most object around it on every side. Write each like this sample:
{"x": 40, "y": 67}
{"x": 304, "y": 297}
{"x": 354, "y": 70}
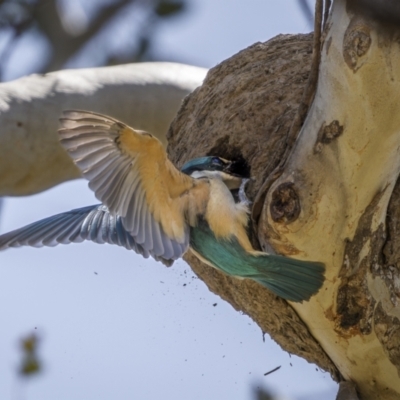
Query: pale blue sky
{"x": 116, "y": 326}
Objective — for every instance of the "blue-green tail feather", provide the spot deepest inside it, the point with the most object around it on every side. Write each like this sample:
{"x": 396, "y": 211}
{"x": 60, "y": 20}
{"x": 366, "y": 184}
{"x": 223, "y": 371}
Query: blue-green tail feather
{"x": 292, "y": 279}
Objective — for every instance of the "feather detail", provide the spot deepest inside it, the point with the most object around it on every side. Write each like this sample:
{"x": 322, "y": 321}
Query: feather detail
{"x": 130, "y": 173}
{"x": 224, "y": 216}
{"x": 93, "y": 223}
{"x": 294, "y": 280}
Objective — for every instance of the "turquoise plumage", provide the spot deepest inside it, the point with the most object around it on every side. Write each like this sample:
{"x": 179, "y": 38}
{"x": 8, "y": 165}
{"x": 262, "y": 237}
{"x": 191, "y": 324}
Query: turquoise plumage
{"x": 150, "y": 207}
{"x": 292, "y": 279}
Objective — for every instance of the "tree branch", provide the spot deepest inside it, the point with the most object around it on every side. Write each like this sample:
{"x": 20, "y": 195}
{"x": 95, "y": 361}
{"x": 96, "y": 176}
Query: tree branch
{"x": 347, "y": 391}
{"x": 342, "y": 171}
{"x": 244, "y": 110}
{"x": 144, "y": 95}
{"x": 301, "y": 113}
{"x": 64, "y": 45}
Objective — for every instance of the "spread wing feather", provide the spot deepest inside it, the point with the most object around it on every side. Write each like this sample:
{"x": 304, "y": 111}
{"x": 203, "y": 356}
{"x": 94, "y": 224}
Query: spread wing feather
{"x": 94, "y": 223}
{"x": 130, "y": 173}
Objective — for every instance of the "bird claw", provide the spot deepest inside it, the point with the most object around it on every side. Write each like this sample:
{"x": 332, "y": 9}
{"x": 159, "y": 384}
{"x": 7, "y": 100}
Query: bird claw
{"x": 242, "y": 192}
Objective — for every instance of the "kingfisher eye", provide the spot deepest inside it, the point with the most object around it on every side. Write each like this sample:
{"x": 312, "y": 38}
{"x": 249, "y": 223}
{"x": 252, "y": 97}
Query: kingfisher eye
{"x": 217, "y": 161}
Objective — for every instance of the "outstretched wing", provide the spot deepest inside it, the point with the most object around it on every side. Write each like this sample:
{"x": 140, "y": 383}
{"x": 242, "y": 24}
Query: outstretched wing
{"x": 130, "y": 173}
{"x": 94, "y": 223}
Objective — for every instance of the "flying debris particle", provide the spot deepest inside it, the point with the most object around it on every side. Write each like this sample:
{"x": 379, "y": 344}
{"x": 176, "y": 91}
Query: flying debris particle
{"x": 285, "y": 203}
{"x": 272, "y": 370}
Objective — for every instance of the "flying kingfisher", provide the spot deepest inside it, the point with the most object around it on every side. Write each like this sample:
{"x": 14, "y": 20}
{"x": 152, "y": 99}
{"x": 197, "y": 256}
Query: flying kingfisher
{"x": 151, "y": 207}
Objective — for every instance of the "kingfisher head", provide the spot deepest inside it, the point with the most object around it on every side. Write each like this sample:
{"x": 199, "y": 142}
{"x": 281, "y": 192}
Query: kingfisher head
{"x": 231, "y": 172}
{"x": 213, "y": 163}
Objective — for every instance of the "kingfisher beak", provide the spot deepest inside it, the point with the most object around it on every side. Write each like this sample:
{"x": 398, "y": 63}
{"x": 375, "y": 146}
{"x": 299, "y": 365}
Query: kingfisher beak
{"x": 234, "y": 172}
{"x": 238, "y": 168}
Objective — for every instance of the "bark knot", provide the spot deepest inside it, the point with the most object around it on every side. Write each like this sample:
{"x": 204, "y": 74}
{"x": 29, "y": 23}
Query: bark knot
{"x": 327, "y": 133}
{"x": 285, "y": 203}
{"x": 356, "y": 43}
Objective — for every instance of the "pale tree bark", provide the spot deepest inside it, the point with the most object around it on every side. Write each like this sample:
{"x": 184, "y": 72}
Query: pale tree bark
{"x": 332, "y": 199}
{"x": 330, "y": 193}
{"x": 341, "y": 175}
{"x": 144, "y": 95}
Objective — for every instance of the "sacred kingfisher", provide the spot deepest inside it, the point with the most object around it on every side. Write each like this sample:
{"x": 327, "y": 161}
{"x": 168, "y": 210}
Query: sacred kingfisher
{"x": 151, "y": 207}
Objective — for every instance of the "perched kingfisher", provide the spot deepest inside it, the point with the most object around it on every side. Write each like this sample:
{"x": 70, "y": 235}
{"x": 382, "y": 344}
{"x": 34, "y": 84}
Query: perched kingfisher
{"x": 154, "y": 209}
